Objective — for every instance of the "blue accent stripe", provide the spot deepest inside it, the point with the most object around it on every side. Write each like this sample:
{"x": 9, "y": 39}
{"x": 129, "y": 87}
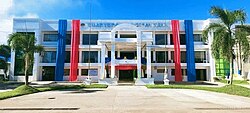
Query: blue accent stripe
{"x": 60, "y": 55}
{"x": 191, "y": 73}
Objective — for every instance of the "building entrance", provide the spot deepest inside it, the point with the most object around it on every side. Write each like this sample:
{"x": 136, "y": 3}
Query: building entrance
{"x": 48, "y": 73}
{"x": 127, "y": 75}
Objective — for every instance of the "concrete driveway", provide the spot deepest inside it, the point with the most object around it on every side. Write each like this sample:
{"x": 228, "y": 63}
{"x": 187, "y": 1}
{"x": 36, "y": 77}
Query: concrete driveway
{"x": 126, "y": 99}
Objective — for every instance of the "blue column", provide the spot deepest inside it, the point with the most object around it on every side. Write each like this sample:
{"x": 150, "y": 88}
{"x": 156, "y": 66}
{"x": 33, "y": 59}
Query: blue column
{"x": 60, "y": 54}
{"x": 191, "y": 73}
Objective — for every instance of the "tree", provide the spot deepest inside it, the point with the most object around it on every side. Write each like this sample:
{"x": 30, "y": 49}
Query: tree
{"x": 243, "y": 44}
{"x": 224, "y": 39}
{"x": 25, "y": 43}
{"x": 5, "y": 54}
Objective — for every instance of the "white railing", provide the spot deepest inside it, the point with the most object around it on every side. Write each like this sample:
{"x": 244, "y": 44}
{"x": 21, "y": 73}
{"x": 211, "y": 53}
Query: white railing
{"x": 123, "y": 61}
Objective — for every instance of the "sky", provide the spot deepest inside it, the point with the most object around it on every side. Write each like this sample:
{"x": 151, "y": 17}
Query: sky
{"x": 110, "y": 9}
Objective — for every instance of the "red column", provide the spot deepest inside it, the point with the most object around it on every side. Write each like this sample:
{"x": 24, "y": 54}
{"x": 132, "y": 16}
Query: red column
{"x": 75, "y": 38}
{"x": 177, "y": 52}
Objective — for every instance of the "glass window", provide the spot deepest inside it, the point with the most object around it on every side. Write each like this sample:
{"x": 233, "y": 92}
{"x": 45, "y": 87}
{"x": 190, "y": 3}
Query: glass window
{"x": 68, "y": 39}
{"x": 182, "y": 39}
{"x": 93, "y": 72}
{"x": 93, "y": 56}
{"x": 160, "y": 70}
{"x": 66, "y": 72}
{"x": 161, "y": 56}
{"x": 67, "y": 57}
{"x": 49, "y": 57}
{"x": 183, "y": 71}
{"x": 93, "y": 39}
{"x": 50, "y": 37}
{"x": 197, "y": 38}
{"x": 172, "y": 72}
{"x": 161, "y": 39}
{"x": 128, "y": 36}
{"x": 200, "y": 57}
{"x": 183, "y": 57}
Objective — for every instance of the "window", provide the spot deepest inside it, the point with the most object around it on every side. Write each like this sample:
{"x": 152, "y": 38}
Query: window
{"x": 161, "y": 39}
{"x": 53, "y": 38}
{"x": 66, "y": 72}
{"x": 183, "y": 72}
{"x": 197, "y": 38}
{"x": 50, "y": 37}
{"x": 182, "y": 39}
{"x": 160, "y": 70}
{"x": 183, "y": 57}
{"x": 93, "y": 56}
{"x": 93, "y": 39}
{"x": 92, "y": 72}
{"x": 68, "y": 39}
{"x": 200, "y": 57}
{"x": 161, "y": 56}
{"x": 49, "y": 57}
{"x": 128, "y": 36}
{"x": 172, "y": 72}
{"x": 67, "y": 57}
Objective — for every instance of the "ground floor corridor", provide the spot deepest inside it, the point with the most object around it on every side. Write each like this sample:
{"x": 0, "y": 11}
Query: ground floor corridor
{"x": 129, "y": 99}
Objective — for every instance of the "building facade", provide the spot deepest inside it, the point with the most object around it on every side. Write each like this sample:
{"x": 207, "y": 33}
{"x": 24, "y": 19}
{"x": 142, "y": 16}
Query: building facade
{"x": 117, "y": 50}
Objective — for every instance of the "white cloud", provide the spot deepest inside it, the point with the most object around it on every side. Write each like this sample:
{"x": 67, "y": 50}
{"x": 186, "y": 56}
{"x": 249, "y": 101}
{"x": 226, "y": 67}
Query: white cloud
{"x": 10, "y": 9}
{"x": 6, "y": 19}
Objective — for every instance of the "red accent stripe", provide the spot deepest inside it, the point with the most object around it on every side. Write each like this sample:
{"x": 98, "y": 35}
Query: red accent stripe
{"x": 75, "y": 38}
{"x": 177, "y": 52}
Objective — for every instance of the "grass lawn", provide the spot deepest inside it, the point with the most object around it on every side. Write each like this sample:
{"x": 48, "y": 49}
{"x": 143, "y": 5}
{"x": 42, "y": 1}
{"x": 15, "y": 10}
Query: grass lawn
{"x": 234, "y": 81}
{"x": 228, "y": 89}
{"x": 24, "y": 90}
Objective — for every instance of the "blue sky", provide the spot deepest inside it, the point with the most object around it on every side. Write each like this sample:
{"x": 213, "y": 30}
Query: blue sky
{"x": 129, "y": 9}
{"x": 110, "y": 9}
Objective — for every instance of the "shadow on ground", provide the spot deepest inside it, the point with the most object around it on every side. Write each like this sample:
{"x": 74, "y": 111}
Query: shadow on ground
{"x": 72, "y": 91}
{"x": 10, "y": 85}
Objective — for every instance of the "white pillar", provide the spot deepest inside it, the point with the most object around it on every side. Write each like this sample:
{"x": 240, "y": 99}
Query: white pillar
{"x": 113, "y": 60}
{"x": 211, "y": 59}
{"x": 102, "y": 72}
{"x": 36, "y": 58}
{"x": 12, "y": 66}
{"x": 118, "y": 54}
{"x": 168, "y": 39}
{"x": 148, "y": 60}
{"x": 138, "y": 54}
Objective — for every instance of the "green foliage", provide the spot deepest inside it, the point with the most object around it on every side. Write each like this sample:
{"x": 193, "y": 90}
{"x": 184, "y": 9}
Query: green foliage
{"x": 24, "y": 89}
{"x": 26, "y": 45}
{"x": 60, "y": 87}
{"x": 224, "y": 33}
{"x": 234, "y": 81}
{"x": 19, "y": 91}
{"x": 229, "y": 89}
{"x": 5, "y": 51}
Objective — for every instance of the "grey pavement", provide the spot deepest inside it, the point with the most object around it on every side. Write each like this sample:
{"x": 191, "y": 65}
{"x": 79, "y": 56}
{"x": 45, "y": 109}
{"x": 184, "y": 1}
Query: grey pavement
{"x": 128, "y": 99}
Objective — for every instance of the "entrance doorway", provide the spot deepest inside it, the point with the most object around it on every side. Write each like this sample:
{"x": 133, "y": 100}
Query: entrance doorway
{"x": 201, "y": 74}
{"x": 127, "y": 75}
{"x": 48, "y": 73}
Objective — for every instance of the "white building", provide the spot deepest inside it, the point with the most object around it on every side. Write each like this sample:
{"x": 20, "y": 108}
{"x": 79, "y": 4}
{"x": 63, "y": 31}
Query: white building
{"x": 120, "y": 50}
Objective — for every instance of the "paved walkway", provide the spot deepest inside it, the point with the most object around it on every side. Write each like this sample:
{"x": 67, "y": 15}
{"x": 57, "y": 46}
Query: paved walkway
{"x": 128, "y": 99}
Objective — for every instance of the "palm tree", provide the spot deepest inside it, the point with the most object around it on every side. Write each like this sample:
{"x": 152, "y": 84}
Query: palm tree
{"x": 224, "y": 39}
{"x": 25, "y": 43}
{"x": 5, "y": 53}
